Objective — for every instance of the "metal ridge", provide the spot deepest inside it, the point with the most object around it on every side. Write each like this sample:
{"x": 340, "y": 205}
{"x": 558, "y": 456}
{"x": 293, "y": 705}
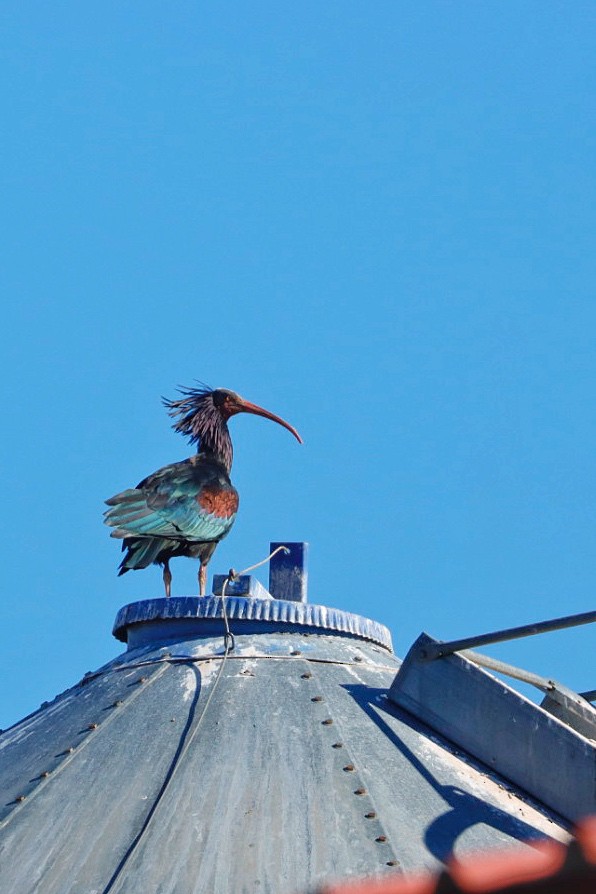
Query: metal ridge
{"x": 277, "y": 611}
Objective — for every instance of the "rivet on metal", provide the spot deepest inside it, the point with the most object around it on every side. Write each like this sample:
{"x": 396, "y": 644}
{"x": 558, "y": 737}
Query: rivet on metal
{"x": 337, "y": 745}
{"x": 327, "y": 722}
{"x": 370, "y": 815}
{"x": 317, "y": 698}
{"x": 306, "y": 676}
{"x": 360, "y": 791}
{"x": 349, "y": 768}
{"x": 381, "y": 838}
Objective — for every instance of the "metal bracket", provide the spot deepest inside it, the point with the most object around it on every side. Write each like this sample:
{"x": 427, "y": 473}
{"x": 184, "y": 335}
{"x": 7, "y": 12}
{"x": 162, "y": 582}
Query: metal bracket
{"x": 495, "y": 724}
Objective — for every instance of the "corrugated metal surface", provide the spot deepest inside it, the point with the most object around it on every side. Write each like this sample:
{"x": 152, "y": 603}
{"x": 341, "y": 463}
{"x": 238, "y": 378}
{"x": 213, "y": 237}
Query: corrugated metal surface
{"x": 280, "y": 768}
{"x": 279, "y": 613}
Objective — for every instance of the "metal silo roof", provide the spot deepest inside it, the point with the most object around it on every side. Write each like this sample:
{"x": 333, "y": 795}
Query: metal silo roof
{"x": 179, "y": 769}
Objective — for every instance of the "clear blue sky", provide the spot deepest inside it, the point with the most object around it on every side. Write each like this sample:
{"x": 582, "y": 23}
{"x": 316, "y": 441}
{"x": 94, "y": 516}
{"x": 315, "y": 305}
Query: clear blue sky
{"x": 375, "y": 219}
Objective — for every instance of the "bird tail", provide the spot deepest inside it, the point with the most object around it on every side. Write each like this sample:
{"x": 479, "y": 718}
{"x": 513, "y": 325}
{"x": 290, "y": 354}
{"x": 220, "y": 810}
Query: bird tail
{"x": 126, "y": 507}
{"x": 141, "y": 552}
{"x": 129, "y": 515}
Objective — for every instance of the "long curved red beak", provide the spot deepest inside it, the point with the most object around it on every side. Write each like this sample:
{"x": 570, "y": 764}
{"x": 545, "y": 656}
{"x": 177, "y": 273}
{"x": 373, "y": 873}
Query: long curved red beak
{"x": 244, "y": 406}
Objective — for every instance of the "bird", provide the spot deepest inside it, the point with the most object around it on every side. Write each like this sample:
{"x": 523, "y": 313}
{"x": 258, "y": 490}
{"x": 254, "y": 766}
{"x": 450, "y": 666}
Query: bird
{"x": 186, "y": 508}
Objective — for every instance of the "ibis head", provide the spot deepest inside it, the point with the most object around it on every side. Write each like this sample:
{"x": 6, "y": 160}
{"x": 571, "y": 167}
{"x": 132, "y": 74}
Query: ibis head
{"x": 202, "y": 415}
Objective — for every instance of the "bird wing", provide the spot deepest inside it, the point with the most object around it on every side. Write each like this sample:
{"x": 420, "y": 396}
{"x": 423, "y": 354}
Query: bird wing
{"x": 190, "y": 501}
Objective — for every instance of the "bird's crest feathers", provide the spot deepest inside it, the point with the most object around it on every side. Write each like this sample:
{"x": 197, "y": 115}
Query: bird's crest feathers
{"x": 191, "y": 411}
{"x": 198, "y": 417}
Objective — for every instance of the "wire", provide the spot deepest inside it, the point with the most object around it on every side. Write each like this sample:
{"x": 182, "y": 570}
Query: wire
{"x": 237, "y": 574}
{"x": 191, "y": 731}
{"x": 232, "y": 576}
{"x": 229, "y": 641}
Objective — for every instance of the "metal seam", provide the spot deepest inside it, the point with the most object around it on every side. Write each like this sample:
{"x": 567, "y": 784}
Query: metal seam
{"x": 186, "y": 659}
{"x": 77, "y": 750}
{"x": 354, "y": 773}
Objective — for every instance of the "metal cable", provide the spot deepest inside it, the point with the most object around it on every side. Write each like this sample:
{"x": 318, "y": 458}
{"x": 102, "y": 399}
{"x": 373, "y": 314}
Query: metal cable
{"x": 186, "y": 741}
{"x": 232, "y": 576}
{"x": 183, "y": 747}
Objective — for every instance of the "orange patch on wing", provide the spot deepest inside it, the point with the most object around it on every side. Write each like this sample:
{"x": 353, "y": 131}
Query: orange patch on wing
{"x": 221, "y": 503}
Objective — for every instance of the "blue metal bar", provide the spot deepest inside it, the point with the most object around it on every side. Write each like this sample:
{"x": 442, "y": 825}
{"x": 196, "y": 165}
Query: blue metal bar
{"x": 288, "y": 574}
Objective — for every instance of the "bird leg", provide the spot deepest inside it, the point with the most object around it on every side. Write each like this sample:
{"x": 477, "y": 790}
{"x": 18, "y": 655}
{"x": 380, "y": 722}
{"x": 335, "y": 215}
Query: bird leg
{"x": 203, "y": 579}
{"x": 167, "y": 578}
